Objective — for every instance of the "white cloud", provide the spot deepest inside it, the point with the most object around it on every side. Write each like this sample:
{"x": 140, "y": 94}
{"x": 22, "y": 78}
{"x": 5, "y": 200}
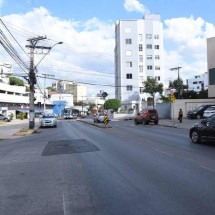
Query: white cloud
{"x": 86, "y": 54}
{"x": 135, "y": 5}
{"x": 185, "y": 45}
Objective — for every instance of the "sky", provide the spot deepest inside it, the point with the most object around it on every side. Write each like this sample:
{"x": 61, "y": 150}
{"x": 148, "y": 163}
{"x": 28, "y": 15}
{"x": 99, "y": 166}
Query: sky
{"x": 87, "y": 30}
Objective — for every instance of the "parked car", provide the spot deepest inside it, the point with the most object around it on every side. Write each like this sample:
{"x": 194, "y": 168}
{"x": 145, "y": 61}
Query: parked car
{"x": 209, "y": 111}
{"x": 99, "y": 117}
{"x": 48, "y": 120}
{"x": 198, "y": 112}
{"x": 203, "y": 130}
{"x": 146, "y": 116}
{"x": 5, "y": 118}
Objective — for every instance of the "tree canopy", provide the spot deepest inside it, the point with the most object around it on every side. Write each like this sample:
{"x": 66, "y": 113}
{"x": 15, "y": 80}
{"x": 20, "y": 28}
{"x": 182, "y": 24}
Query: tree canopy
{"x": 16, "y": 81}
{"x": 113, "y": 104}
{"x": 152, "y": 86}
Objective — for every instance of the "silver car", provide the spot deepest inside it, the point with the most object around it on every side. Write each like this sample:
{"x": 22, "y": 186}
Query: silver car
{"x": 48, "y": 120}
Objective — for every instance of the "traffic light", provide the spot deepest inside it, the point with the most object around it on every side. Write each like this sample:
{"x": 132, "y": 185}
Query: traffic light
{"x": 104, "y": 94}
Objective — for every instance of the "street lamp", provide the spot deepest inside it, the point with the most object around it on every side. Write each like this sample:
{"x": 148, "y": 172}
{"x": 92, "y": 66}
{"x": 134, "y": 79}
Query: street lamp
{"x": 177, "y": 68}
{"x": 58, "y": 43}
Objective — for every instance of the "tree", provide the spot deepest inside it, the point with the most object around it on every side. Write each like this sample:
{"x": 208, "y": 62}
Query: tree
{"x": 16, "y": 81}
{"x": 92, "y": 105}
{"x": 151, "y": 86}
{"x": 113, "y": 104}
{"x": 50, "y": 89}
{"x": 178, "y": 85}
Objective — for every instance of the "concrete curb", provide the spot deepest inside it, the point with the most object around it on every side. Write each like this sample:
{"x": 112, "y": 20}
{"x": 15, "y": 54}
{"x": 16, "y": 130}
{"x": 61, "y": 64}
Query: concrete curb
{"x": 95, "y": 124}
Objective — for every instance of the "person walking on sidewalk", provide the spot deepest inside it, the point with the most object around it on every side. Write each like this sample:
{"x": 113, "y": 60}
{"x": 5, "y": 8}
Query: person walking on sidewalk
{"x": 180, "y": 115}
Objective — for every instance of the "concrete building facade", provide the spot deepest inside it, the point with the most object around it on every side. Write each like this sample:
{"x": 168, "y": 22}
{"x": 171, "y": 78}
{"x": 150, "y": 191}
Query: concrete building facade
{"x": 198, "y": 83}
{"x": 211, "y": 66}
{"x": 79, "y": 91}
{"x": 138, "y": 55}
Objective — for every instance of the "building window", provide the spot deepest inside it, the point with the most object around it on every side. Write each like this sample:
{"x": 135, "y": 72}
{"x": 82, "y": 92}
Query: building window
{"x": 156, "y": 36}
{"x": 127, "y": 30}
{"x": 141, "y": 90}
{"x": 140, "y": 58}
{"x": 157, "y": 68}
{"x": 140, "y": 37}
{"x": 195, "y": 82}
{"x": 148, "y": 36}
{"x": 129, "y": 76}
{"x": 141, "y": 78}
{"x": 149, "y": 67}
{"x": 129, "y": 64}
{"x": 140, "y": 68}
{"x": 129, "y": 87}
{"x": 157, "y": 57}
{"x": 128, "y": 41}
{"x": 158, "y": 78}
{"x": 149, "y": 57}
{"x": 128, "y": 53}
{"x": 140, "y": 47}
{"x": 156, "y": 46}
{"x": 149, "y": 46}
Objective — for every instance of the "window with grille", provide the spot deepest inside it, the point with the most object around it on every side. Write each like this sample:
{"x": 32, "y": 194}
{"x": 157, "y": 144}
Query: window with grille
{"x": 140, "y": 47}
{"x": 129, "y": 76}
{"x": 128, "y": 41}
{"x": 149, "y": 46}
{"x": 129, "y": 87}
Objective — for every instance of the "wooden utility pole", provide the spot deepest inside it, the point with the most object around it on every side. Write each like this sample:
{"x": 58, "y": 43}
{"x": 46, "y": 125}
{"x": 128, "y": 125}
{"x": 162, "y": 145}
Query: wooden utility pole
{"x": 32, "y": 77}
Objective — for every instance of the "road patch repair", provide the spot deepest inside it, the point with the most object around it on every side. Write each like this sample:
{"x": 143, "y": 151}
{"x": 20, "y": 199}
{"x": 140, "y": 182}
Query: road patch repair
{"x": 68, "y": 147}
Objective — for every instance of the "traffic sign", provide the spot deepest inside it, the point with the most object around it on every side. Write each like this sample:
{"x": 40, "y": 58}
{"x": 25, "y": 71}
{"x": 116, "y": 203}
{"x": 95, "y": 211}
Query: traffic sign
{"x": 172, "y": 98}
{"x": 105, "y": 120}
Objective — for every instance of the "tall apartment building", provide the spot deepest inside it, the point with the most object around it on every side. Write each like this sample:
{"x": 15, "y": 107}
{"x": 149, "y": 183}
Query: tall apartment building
{"x": 138, "y": 55}
{"x": 211, "y": 66}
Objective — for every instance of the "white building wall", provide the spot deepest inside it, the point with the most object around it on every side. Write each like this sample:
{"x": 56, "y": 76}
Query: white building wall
{"x": 64, "y": 97}
{"x": 198, "y": 83}
{"x": 138, "y": 31}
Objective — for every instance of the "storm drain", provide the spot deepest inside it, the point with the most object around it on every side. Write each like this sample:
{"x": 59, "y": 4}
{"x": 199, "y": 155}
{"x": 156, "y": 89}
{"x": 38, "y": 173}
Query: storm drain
{"x": 68, "y": 147}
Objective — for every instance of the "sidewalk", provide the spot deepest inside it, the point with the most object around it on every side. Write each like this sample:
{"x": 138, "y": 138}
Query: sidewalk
{"x": 16, "y": 128}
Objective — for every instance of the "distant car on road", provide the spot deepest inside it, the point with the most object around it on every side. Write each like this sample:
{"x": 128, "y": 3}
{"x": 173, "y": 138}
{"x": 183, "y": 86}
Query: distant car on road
{"x": 99, "y": 117}
{"x": 203, "y": 130}
{"x": 48, "y": 120}
{"x": 209, "y": 111}
{"x": 198, "y": 112}
{"x": 5, "y": 118}
{"x": 146, "y": 116}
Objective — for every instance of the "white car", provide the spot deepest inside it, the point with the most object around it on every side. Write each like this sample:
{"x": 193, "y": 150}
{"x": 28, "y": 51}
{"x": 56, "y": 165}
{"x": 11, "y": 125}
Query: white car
{"x": 48, "y": 120}
{"x": 99, "y": 117}
{"x": 209, "y": 111}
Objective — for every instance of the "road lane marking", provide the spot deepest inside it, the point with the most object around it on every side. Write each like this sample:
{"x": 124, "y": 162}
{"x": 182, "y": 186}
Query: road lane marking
{"x": 207, "y": 168}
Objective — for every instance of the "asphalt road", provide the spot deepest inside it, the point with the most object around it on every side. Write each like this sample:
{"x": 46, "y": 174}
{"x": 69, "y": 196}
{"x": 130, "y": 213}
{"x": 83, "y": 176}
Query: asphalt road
{"x": 81, "y": 169}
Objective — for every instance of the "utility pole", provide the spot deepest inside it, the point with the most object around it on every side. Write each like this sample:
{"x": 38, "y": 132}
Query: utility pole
{"x": 44, "y": 93}
{"x": 32, "y": 77}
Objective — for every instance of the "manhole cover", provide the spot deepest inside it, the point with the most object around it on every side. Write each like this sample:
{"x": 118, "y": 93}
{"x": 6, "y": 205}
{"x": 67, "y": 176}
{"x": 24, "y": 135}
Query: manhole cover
{"x": 68, "y": 147}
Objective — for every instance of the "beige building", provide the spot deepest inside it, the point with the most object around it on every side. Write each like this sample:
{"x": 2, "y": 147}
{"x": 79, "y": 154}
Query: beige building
{"x": 79, "y": 91}
{"x": 211, "y": 66}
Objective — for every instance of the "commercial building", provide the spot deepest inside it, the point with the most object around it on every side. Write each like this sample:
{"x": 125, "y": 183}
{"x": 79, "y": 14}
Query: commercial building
{"x": 211, "y": 66}
{"x": 78, "y": 91}
{"x": 138, "y": 55}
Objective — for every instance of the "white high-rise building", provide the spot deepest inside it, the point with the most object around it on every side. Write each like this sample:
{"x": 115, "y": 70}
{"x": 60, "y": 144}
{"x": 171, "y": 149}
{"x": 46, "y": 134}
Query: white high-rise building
{"x": 138, "y": 55}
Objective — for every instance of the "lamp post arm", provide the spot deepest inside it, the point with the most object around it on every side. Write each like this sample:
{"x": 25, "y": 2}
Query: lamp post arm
{"x": 47, "y": 53}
